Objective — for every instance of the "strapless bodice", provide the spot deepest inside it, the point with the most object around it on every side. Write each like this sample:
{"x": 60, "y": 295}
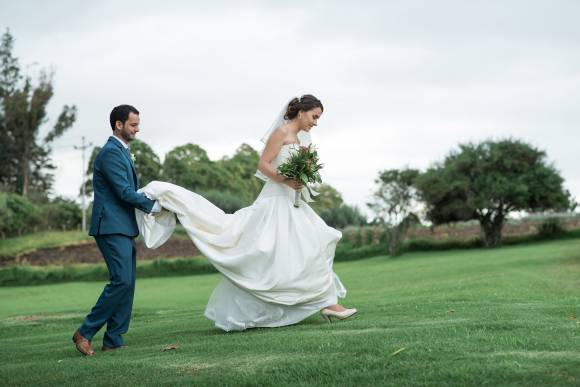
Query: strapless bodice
{"x": 284, "y": 154}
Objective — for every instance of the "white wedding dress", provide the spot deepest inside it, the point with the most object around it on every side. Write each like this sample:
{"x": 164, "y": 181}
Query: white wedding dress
{"x": 276, "y": 259}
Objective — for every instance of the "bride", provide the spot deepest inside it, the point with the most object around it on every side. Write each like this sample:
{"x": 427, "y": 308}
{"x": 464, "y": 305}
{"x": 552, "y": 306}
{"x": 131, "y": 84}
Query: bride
{"x": 276, "y": 259}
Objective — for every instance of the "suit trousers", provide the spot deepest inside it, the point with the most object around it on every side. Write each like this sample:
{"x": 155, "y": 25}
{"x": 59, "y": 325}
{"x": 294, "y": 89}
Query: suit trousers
{"x": 115, "y": 303}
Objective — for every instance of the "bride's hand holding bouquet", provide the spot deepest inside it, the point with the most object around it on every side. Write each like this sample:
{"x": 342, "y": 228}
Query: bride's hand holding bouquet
{"x": 301, "y": 168}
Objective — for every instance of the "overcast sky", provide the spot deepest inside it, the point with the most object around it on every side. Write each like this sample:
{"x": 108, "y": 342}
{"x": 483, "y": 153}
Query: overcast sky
{"x": 402, "y": 82}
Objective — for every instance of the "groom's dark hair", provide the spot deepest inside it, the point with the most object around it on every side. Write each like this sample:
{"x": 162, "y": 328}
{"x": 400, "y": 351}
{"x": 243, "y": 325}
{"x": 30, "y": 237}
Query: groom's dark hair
{"x": 121, "y": 113}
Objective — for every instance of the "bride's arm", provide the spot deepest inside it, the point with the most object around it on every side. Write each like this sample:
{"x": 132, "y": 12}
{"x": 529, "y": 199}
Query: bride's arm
{"x": 270, "y": 152}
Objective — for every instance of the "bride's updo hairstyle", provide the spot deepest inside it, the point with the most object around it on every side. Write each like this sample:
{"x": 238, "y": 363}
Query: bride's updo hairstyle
{"x": 305, "y": 103}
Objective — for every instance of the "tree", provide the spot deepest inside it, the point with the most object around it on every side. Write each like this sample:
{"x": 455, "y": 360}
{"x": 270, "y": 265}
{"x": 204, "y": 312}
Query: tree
{"x": 23, "y": 111}
{"x": 332, "y": 209}
{"x": 242, "y": 166}
{"x": 488, "y": 181}
{"x": 342, "y": 216}
{"x": 395, "y": 204}
{"x": 61, "y": 214}
{"x": 189, "y": 166}
{"x": 328, "y": 198}
{"x": 89, "y": 172}
{"x": 147, "y": 164}
{"x": 9, "y": 77}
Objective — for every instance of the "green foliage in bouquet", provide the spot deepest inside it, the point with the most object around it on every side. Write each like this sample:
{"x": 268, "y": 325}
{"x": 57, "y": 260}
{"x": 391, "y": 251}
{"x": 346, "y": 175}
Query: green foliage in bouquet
{"x": 302, "y": 165}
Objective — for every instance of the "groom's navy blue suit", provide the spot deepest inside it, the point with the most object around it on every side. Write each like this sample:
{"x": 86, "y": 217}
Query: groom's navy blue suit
{"x": 114, "y": 226}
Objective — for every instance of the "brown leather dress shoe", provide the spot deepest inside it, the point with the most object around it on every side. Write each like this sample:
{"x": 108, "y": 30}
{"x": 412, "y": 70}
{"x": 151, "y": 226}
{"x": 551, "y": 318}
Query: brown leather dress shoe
{"x": 82, "y": 344}
{"x": 107, "y": 349}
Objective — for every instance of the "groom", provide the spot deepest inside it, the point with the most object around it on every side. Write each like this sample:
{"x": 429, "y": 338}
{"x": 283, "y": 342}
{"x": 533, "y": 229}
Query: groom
{"x": 113, "y": 225}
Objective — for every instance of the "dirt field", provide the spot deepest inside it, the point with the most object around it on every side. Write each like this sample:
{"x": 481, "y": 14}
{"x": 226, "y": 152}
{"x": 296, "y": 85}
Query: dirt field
{"x": 89, "y": 253}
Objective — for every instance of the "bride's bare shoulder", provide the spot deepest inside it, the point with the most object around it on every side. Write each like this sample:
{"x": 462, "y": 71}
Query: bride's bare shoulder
{"x": 284, "y": 134}
{"x": 279, "y": 135}
{"x": 277, "y": 138}
{"x": 281, "y": 130}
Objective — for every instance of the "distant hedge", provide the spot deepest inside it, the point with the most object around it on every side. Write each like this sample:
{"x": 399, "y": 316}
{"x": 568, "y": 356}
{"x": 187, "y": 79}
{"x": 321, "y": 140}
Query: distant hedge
{"x": 38, "y": 275}
{"x": 367, "y": 241}
{"x": 19, "y": 215}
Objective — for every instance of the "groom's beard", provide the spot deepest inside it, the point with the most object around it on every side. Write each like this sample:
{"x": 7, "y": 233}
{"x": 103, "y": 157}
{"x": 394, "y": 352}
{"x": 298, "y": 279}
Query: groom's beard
{"x": 126, "y": 136}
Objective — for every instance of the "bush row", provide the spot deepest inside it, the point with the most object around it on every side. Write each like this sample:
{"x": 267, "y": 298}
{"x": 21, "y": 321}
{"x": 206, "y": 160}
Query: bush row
{"x": 19, "y": 216}
{"x": 36, "y": 275}
{"x": 377, "y": 235}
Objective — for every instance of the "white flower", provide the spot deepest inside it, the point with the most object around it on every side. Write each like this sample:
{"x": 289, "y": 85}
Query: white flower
{"x": 133, "y": 157}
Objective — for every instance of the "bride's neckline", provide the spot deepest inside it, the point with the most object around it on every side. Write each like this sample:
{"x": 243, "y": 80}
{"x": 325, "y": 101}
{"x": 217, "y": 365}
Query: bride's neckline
{"x": 292, "y": 143}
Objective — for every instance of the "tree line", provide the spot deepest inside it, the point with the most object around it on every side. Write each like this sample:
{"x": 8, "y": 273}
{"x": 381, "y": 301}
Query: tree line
{"x": 486, "y": 181}
{"x": 229, "y": 182}
{"x": 26, "y": 169}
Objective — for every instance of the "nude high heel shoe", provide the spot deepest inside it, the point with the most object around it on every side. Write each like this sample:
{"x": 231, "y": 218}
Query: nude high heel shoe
{"x": 328, "y": 314}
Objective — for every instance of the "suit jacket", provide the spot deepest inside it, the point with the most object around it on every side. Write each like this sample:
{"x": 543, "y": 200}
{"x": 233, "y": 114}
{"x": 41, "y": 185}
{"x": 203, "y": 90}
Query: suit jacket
{"x": 115, "y": 185}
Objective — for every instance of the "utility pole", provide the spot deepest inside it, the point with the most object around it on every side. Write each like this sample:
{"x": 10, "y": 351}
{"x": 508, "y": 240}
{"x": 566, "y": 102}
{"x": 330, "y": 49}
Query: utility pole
{"x": 83, "y": 147}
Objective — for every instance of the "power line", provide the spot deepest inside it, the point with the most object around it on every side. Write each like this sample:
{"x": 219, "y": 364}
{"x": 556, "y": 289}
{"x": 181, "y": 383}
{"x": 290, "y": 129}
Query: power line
{"x": 62, "y": 146}
{"x": 82, "y": 148}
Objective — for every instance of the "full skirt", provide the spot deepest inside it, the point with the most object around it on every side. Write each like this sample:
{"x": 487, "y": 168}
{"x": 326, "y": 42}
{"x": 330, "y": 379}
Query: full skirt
{"x": 276, "y": 259}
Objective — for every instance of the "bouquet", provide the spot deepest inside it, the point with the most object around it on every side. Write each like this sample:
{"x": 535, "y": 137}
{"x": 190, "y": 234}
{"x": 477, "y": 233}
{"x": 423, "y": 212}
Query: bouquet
{"x": 302, "y": 166}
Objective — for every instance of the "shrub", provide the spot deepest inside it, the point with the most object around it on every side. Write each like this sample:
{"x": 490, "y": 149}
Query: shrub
{"x": 347, "y": 252}
{"x": 550, "y": 227}
{"x": 349, "y": 235}
{"x": 18, "y": 215}
{"x": 340, "y": 217}
{"x": 421, "y": 244}
{"x": 61, "y": 214}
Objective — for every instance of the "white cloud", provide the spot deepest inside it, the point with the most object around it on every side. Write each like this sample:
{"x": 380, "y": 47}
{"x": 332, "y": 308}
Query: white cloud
{"x": 402, "y": 82}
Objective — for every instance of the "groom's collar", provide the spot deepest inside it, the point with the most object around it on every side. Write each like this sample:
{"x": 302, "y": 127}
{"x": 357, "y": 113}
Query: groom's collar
{"x": 120, "y": 141}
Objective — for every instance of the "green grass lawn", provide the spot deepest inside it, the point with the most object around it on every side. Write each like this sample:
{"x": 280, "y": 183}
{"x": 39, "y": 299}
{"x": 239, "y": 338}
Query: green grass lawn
{"x": 465, "y": 317}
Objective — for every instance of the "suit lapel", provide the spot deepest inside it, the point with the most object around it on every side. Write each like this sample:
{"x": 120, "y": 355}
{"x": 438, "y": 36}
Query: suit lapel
{"x": 125, "y": 151}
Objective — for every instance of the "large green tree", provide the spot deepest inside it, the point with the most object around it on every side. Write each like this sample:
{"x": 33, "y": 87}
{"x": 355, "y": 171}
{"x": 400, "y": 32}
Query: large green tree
{"x": 229, "y": 183}
{"x": 25, "y": 158}
{"x": 189, "y": 166}
{"x": 147, "y": 164}
{"x": 89, "y": 172}
{"x": 328, "y": 198}
{"x": 395, "y": 204}
{"x": 242, "y": 167}
{"x": 488, "y": 181}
